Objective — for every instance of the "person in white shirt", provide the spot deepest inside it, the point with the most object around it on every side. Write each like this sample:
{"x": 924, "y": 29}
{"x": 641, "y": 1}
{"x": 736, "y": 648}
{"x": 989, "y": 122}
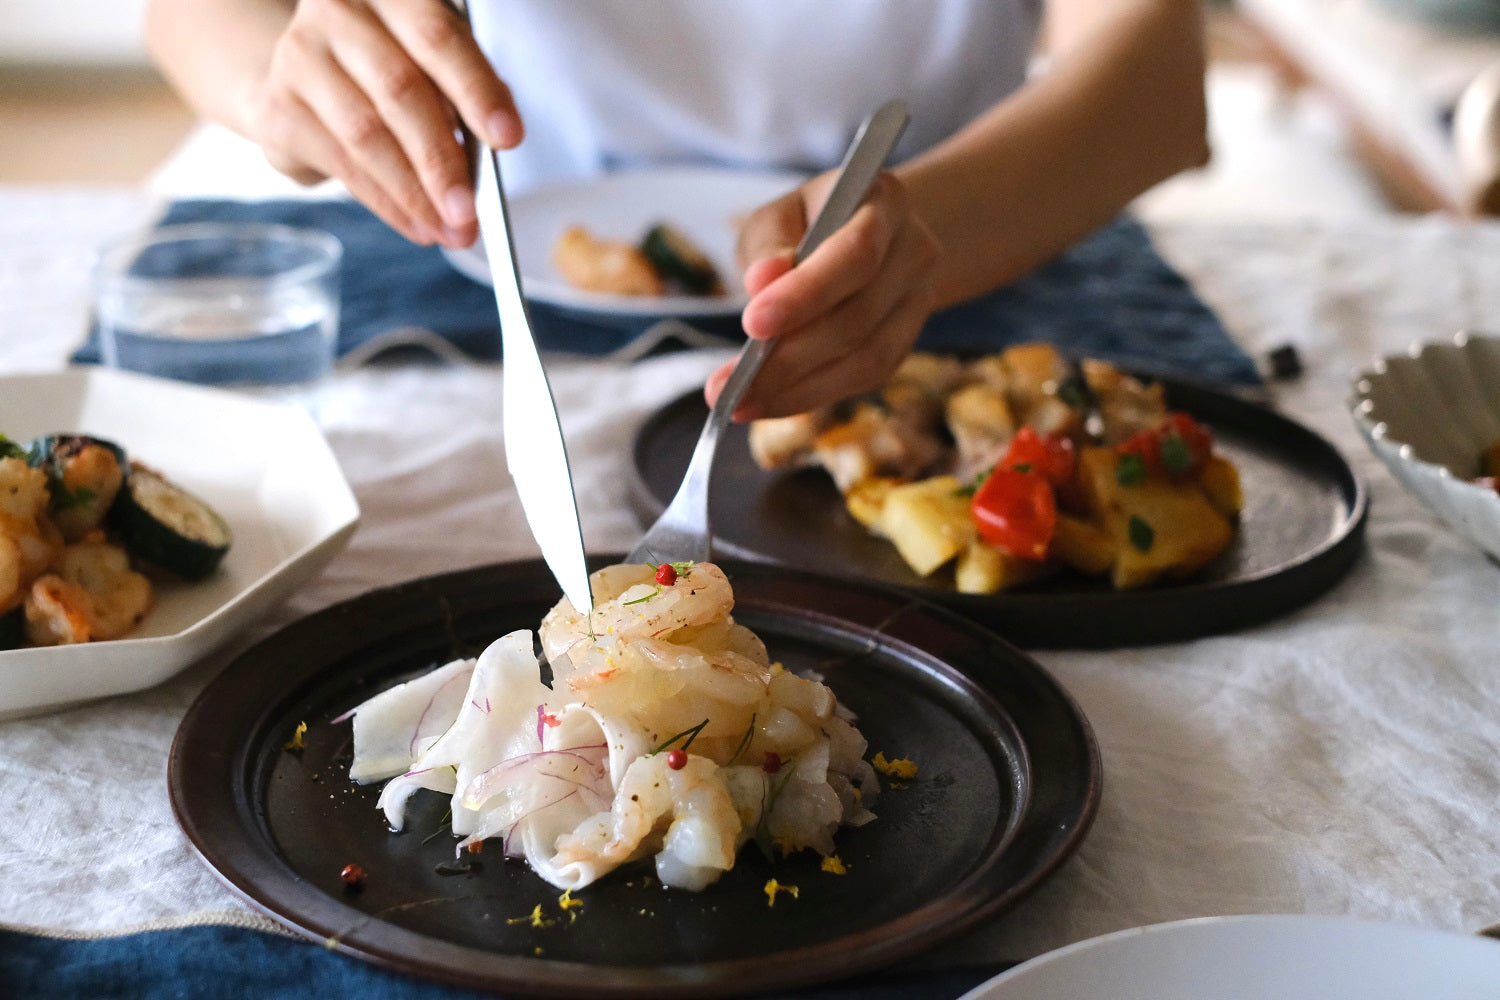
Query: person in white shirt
{"x": 999, "y": 172}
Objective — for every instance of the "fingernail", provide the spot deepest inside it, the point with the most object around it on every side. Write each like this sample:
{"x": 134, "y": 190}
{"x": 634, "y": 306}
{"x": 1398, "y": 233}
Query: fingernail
{"x": 458, "y": 206}
{"x": 501, "y": 131}
{"x": 764, "y": 322}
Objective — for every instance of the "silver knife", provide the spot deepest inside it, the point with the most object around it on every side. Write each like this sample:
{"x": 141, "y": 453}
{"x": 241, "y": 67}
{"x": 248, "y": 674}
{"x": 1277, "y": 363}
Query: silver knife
{"x": 535, "y": 451}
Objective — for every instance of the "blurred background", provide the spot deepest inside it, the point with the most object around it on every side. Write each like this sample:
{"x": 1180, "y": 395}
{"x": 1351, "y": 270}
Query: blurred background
{"x": 1318, "y": 107}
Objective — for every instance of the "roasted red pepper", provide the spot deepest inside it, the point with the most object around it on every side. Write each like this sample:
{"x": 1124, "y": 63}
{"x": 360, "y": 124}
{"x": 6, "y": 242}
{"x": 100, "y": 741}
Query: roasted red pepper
{"x": 1049, "y": 456}
{"x": 1178, "y": 448}
{"x": 1016, "y": 512}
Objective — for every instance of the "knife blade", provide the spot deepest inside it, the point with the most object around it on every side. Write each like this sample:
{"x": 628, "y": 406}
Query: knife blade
{"x": 535, "y": 451}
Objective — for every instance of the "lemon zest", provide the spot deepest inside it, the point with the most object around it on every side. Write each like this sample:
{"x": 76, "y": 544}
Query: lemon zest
{"x": 773, "y": 887}
{"x": 901, "y": 767}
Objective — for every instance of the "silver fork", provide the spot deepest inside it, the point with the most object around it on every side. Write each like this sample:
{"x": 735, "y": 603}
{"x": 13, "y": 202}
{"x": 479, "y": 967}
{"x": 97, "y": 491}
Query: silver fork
{"x": 684, "y": 531}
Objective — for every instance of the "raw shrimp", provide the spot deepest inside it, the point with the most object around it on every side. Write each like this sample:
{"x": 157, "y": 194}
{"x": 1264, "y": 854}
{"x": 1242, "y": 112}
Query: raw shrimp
{"x": 92, "y": 595}
{"x": 667, "y": 733}
{"x": 689, "y": 809}
{"x": 629, "y": 604}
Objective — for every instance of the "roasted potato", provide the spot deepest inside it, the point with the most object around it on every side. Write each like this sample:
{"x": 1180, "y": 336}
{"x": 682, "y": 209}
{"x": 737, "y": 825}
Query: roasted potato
{"x": 928, "y": 521}
{"x": 1159, "y": 527}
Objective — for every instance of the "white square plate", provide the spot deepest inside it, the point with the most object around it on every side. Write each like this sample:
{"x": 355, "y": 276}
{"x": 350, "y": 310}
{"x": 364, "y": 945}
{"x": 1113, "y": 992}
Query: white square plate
{"x": 264, "y": 466}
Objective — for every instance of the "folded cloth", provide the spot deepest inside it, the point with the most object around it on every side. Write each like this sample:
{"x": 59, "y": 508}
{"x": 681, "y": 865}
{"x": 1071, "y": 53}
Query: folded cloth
{"x": 1111, "y": 296}
{"x": 229, "y": 962}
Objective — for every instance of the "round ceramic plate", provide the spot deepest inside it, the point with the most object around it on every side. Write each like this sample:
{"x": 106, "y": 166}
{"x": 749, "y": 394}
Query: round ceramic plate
{"x": 1288, "y": 957}
{"x": 1301, "y": 528}
{"x": 1008, "y": 783}
{"x": 704, "y": 203}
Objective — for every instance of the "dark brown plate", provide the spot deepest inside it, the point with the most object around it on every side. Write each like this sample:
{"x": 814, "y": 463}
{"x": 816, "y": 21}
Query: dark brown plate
{"x": 1301, "y": 529}
{"x": 1008, "y": 784}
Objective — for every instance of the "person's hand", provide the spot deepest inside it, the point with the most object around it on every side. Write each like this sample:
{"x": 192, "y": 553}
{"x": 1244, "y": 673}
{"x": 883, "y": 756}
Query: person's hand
{"x": 843, "y": 318}
{"x": 370, "y": 91}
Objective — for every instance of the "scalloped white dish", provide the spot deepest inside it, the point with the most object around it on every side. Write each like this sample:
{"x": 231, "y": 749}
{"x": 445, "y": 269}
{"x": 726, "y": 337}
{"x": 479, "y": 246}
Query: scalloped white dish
{"x": 1429, "y": 414}
{"x": 1268, "y": 957}
{"x": 703, "y": 202}
{"x": 264, "y": 466}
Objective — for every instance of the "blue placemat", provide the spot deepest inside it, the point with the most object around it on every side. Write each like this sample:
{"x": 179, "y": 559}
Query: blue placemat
{"x": 229, "y": 963}
{"x": 1112, "y": 297}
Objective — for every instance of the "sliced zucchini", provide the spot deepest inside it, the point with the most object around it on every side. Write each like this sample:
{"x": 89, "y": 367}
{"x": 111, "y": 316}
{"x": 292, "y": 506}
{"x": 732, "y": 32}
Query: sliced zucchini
{"x": 162, "y": 523}
{"x": 83, "y": 477}
{"x": 677, "y": 260}
{"x": 13, "y": 628}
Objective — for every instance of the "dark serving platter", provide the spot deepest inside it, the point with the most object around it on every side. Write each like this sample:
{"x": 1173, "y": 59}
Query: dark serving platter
{"x": 1008, "y": 784}
{"x": 1301, "y": 529}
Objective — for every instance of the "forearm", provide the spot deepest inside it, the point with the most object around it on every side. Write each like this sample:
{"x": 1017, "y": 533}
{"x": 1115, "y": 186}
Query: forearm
{"x": 1120, "y": 108}
{"x": 215, "y": 52}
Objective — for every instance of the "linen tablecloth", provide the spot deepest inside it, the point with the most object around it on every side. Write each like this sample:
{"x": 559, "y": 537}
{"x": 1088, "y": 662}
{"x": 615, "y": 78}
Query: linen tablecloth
{"x": 1335, "y": 761}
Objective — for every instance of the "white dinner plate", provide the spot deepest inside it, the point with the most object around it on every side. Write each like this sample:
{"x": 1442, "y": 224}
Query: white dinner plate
{"x": 705, "y": 203}
{"x": 264, "y": 466}
{"x": 1278, "y": 957}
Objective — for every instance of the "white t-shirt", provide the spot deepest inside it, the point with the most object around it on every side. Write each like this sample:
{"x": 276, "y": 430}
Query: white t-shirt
{"x": 608, "y": 84}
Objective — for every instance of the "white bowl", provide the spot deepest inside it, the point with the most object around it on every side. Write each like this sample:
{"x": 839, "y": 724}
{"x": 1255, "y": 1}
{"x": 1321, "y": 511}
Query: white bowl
{"x": 265, "y": 466}
{"x": 1429, "y": 414}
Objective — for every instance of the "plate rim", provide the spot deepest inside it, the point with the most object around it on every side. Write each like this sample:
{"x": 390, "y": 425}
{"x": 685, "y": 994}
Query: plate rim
{"x": 1015, "y": 614}
{"x": 1298, "y": 923}
{"x": 171, "y": 654}
{"x": 542, "y": 290}
{"x": 211, "y": 803}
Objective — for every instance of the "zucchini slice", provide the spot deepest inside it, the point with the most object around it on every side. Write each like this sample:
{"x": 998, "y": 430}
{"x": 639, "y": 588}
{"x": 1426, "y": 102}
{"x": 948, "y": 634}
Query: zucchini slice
{"x": 677, "y": 260}
{"x": 162, "y": 523}
{"x": 13, "y": 628}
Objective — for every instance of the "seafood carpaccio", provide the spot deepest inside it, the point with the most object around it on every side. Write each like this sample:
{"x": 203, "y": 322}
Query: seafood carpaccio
{"x": 667, "y": 733}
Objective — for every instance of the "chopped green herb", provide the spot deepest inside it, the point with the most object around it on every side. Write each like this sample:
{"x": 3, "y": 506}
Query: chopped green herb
{"x": 681, "y": 568}
{"x": 974, "y": 484}
{"x": 642, "y": 600}
{"x": 9, "y": 449}
{"x": 744, "y": 740}
{"x": 1176, "y": 457}
{"x": 763, "y": 828}
{"x": 64, "y": 498}
{"x": 1142, "y": 535}
{"x": 691, "y": 735}
{"x": 1074, "y": 392}
{"x": 443, "y": 824}
{"x": 1130, "y": 469}
{"x": 1021, "y": 467}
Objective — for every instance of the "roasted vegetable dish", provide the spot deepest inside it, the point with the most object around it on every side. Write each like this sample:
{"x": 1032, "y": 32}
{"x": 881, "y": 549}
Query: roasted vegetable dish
{"x": 82, "y": 527}
{"x": 664, "y": 262}
{"x": 1018, "y": 465}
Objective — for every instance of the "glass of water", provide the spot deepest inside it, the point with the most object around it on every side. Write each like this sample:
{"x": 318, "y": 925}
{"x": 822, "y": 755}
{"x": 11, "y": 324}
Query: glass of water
{"x": 220, "y": 303}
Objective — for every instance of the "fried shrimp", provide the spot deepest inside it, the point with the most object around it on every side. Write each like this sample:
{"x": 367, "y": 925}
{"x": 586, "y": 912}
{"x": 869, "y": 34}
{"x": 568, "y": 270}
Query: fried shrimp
{"x": 28, "y": 541}
{"x": 92, "y": 595}
{"x": 88, "y": 478}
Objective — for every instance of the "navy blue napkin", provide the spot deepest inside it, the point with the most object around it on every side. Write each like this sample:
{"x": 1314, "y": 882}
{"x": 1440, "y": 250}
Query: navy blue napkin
{"x": 1112, "y": 297}
{"x": 229, "y": 963}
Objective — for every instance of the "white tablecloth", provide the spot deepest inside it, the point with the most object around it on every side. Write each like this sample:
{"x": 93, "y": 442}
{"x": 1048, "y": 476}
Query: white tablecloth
{"x": 1338, "y": 761}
